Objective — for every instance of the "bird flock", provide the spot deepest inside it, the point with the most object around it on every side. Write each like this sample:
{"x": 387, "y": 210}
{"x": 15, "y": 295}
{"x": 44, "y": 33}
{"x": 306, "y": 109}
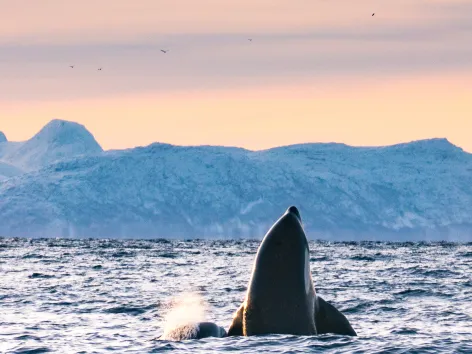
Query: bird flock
{"x": 165, "y": 51}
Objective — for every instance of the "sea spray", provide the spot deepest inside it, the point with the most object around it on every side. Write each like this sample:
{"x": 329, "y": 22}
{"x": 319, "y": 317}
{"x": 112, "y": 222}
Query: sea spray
{"x": 185, "y": 311}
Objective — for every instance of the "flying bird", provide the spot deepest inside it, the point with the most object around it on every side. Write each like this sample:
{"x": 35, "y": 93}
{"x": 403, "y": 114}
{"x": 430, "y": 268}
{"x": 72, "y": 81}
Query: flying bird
{"x": 164, "y": 51}
{"x": 373, "y": 14}
{"x": 71, "y": 66}
{"x": 250, "y": 39}
{"x": 100, "y": 69}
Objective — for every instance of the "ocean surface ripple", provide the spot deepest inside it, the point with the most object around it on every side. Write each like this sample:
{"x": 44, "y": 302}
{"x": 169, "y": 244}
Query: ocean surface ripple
{"x": 99, "y": 296}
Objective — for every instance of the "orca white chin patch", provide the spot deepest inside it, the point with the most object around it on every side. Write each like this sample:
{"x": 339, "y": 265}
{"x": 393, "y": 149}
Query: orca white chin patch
{"x": 307, "y": 272}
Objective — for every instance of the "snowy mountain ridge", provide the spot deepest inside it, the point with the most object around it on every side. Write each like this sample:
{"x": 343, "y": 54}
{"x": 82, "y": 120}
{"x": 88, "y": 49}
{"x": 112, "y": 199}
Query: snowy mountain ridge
{"x": 56, "y": 141}
{"x": 418, "y": 190}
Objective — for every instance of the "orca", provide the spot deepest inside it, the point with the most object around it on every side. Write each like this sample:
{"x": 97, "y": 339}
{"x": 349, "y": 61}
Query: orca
{"x": 281, "y": 297}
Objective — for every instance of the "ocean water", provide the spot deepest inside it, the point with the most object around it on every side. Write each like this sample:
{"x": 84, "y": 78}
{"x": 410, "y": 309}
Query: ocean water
{"x": 101, "y": 296}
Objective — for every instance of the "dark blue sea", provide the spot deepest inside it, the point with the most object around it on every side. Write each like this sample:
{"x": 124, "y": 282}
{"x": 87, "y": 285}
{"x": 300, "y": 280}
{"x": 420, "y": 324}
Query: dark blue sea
{"x": 102, "y": 296}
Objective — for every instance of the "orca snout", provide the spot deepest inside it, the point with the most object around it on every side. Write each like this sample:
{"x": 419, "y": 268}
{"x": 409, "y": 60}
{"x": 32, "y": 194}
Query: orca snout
{"x": 293, "y": 210}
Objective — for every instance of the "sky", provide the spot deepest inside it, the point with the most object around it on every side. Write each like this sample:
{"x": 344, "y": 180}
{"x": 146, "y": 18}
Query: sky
{"x": 315, "y": 70}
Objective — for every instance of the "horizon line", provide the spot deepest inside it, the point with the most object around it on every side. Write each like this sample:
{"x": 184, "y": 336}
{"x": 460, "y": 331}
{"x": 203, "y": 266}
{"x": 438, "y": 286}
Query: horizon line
{"x": 445, "y": 139}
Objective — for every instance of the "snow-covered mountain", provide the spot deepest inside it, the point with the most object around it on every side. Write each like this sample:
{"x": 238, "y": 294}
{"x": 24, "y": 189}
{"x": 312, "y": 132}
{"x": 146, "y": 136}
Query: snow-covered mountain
{"x": 7, "y": 171}
{"x": 419, "y": 190}
{"x": 57, "y": 141}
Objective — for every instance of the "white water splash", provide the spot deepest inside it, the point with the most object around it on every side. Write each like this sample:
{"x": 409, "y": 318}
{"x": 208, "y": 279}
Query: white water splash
{"x": 184, "y": 312}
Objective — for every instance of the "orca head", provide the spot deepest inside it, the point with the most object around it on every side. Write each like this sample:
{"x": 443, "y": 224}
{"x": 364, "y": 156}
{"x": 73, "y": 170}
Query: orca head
{"x": 283, "y": 258}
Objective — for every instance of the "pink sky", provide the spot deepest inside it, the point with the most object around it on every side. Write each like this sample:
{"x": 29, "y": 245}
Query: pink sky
{"x": 316, "y": 70}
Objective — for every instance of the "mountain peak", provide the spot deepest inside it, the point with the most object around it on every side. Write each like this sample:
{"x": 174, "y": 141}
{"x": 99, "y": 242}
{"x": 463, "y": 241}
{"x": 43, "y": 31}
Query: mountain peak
{"x": 435, "y": 142}
{"x": 433, "y": 145}
{"x": 56, "y": 141}
{"x": 3, "y": 138}
{"x": 62, "y": 132}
